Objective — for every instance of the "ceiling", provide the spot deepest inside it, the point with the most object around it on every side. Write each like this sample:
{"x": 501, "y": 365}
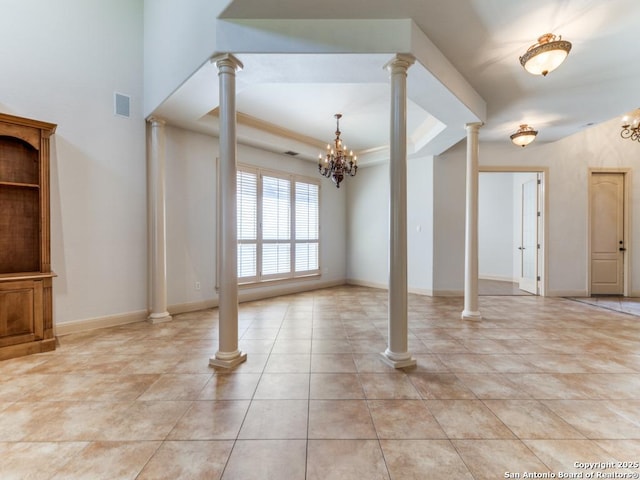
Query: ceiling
{"x": 287, "y": 100}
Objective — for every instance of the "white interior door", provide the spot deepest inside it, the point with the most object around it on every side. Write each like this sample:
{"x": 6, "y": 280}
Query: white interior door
{"x": 607, "y": 234}
{"x": 529, "y": 238}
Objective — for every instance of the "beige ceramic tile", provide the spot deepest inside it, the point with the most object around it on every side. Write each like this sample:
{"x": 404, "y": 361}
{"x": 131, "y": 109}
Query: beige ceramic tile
{"x": 108, "y": 461}
{"x": 424, "y": 460}
{"x": 562, "y": 455}
{"x": 381, "y": 386}
{"x": 468, "y": 419}
{"x": 596, "y": 419}
{"x": 35, "y": 461}
{"x": 340, "y": 419}
{"x": 211, "y": 420}
{"x": 202, "y": 460}
{"x": 144, "y": 420}
{"x": 283, "y": 386}
{"x": 335, "y": 386}
{"x": 236, "y": 386}
{"x": 333, "y": 363}
{"x": 546, "y": 367}
{"x": 262, "y": 459}
{"x": 276, "y": 419}
{"x": 492, "y": 386}
{"x": 491, "y": 459}
{"x": 404, "y": 419}
{"x": 346, "y": 460}
{"x": 288, "y": 363}
{"x": 531, "y": 419}
{"x": 173, "y": 386}
{"x": 440, "y": 386}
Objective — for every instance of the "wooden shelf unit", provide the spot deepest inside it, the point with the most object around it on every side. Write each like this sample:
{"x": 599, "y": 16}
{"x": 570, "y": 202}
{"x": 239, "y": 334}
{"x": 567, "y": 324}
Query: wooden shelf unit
{"x": 26, "y": 314}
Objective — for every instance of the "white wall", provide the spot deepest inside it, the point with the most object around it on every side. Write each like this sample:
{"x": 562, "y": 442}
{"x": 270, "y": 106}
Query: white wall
{"x": 568, "y": 161}
{"x": 449, "y": 189}
{"x": 179, "y": 36}
{"x": 368, "y": 226}
{"x": 62, "y": 64}
{"x": 368, "y": 231}
{"x": 191, "y": 220}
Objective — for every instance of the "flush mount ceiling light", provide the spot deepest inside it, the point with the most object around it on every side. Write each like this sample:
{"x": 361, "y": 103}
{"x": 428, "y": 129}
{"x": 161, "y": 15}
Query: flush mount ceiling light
{"x": 546, "y": 55}
{"x": 338, "y": 162}
{"x": 524, "y": 136}
{"x": 631, "y": 126}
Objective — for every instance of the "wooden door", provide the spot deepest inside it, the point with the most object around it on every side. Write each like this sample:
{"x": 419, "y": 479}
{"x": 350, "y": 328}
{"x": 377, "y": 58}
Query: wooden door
{"x": 607, "y": 234}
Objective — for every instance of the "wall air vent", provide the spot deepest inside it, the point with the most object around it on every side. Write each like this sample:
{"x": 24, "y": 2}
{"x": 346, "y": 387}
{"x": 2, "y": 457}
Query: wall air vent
{"x": 291, "y": 153}
{"x": 121, "y": 104}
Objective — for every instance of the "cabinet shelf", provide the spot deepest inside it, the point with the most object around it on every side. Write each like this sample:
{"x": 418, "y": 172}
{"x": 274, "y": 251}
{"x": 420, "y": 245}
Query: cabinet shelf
{"x": 26, "y": 286}
{"x": 19, "y": 185}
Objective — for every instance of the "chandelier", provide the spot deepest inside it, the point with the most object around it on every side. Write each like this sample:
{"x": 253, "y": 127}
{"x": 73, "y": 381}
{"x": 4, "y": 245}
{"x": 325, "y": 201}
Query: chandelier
{"x": 631, "y": 126}
{"x": 546, "y": 55}
{"x": 524, "y": 135}
{"x": 337, "y": 163}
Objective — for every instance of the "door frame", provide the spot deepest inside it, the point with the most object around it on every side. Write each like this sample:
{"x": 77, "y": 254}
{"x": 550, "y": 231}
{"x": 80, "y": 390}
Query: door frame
{"x": 626, "y": 217}
{"x": 543, "y": 233}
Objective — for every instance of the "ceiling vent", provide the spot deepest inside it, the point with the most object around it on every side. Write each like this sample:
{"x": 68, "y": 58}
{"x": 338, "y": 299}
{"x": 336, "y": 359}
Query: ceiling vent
{"x": 121, "y": 104}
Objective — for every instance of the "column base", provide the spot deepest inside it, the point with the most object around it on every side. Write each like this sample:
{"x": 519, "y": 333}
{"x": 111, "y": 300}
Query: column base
{"x": 472, "y": 316}
{"x": 398, "y": 360}
{"x": 228, "y": 360}
{"x": 159, "y": 317}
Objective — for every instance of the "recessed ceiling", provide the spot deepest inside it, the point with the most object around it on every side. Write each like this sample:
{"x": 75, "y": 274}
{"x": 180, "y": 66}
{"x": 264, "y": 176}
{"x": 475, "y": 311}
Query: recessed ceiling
{"x": 482, "y": 39}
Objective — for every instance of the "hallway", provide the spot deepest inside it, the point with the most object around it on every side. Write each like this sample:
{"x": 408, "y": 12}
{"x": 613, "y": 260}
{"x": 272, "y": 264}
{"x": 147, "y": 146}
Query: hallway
{"x": 538, "y": 385}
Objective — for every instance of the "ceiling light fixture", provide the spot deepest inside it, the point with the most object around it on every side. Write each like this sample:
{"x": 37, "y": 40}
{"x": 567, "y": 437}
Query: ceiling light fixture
{"x": 546, "y": 55}
{"x": 337, "y": 163}
{"x": 631, "y": 126}
{"x": 524, "y": 136}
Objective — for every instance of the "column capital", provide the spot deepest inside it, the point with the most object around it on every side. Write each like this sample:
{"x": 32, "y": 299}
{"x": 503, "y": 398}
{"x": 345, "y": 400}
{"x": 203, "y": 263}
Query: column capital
{"x": 473, "y": 126}
{"x": 155, "y": 120}
{"x": 227, "y": 60}
{"x": 400, "y": 63}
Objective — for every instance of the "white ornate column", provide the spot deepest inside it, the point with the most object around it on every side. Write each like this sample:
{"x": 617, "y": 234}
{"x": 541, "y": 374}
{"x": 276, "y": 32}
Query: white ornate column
{"x": 228, "y": 355}
{"x": 471, "y": 310}
{"x": 156, "y": 211}
{"x": 397, "y": 353}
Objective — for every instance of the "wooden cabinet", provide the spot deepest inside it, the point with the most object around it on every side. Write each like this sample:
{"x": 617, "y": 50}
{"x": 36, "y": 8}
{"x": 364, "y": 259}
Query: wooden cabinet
{"x": 26, "y": 314}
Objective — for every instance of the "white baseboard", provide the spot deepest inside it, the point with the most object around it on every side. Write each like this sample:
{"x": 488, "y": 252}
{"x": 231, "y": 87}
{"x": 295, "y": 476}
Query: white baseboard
{"x": 76, "y": 326}
{"x": 567, "y": 293}
{"x": 365, "y": 283}
{"x": 498, "y": 278}
{"x": 179, "y": 308}
{"x": 248, "y": 295}
{"x": 448, "y": 293}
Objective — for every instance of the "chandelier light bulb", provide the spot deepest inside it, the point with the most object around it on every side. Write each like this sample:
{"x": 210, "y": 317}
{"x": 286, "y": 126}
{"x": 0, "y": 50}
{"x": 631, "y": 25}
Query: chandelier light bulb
{"x": 631, "y": 126}
{"x": 337, "y": 163}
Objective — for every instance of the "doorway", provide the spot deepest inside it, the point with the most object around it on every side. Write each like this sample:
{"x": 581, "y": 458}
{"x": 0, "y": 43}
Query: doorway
{"x": 607, "y": 233}
{"x": 511, "y": 231}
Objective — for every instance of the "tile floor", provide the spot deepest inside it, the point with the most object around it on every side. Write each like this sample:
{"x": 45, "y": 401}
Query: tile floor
{"x": 538, "y": 385}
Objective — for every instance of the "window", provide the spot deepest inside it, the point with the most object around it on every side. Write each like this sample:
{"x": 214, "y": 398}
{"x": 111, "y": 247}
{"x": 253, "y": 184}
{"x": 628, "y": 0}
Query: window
{"x": 278, "y": 226}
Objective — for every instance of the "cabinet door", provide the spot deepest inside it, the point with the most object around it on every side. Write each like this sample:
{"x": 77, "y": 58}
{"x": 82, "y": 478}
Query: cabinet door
{"x": 20, "y": 312}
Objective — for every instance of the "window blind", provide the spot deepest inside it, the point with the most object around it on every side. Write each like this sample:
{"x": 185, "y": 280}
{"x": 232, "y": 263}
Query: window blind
{"x": 247, "y": 214}
{"x": 278, "y": 226}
